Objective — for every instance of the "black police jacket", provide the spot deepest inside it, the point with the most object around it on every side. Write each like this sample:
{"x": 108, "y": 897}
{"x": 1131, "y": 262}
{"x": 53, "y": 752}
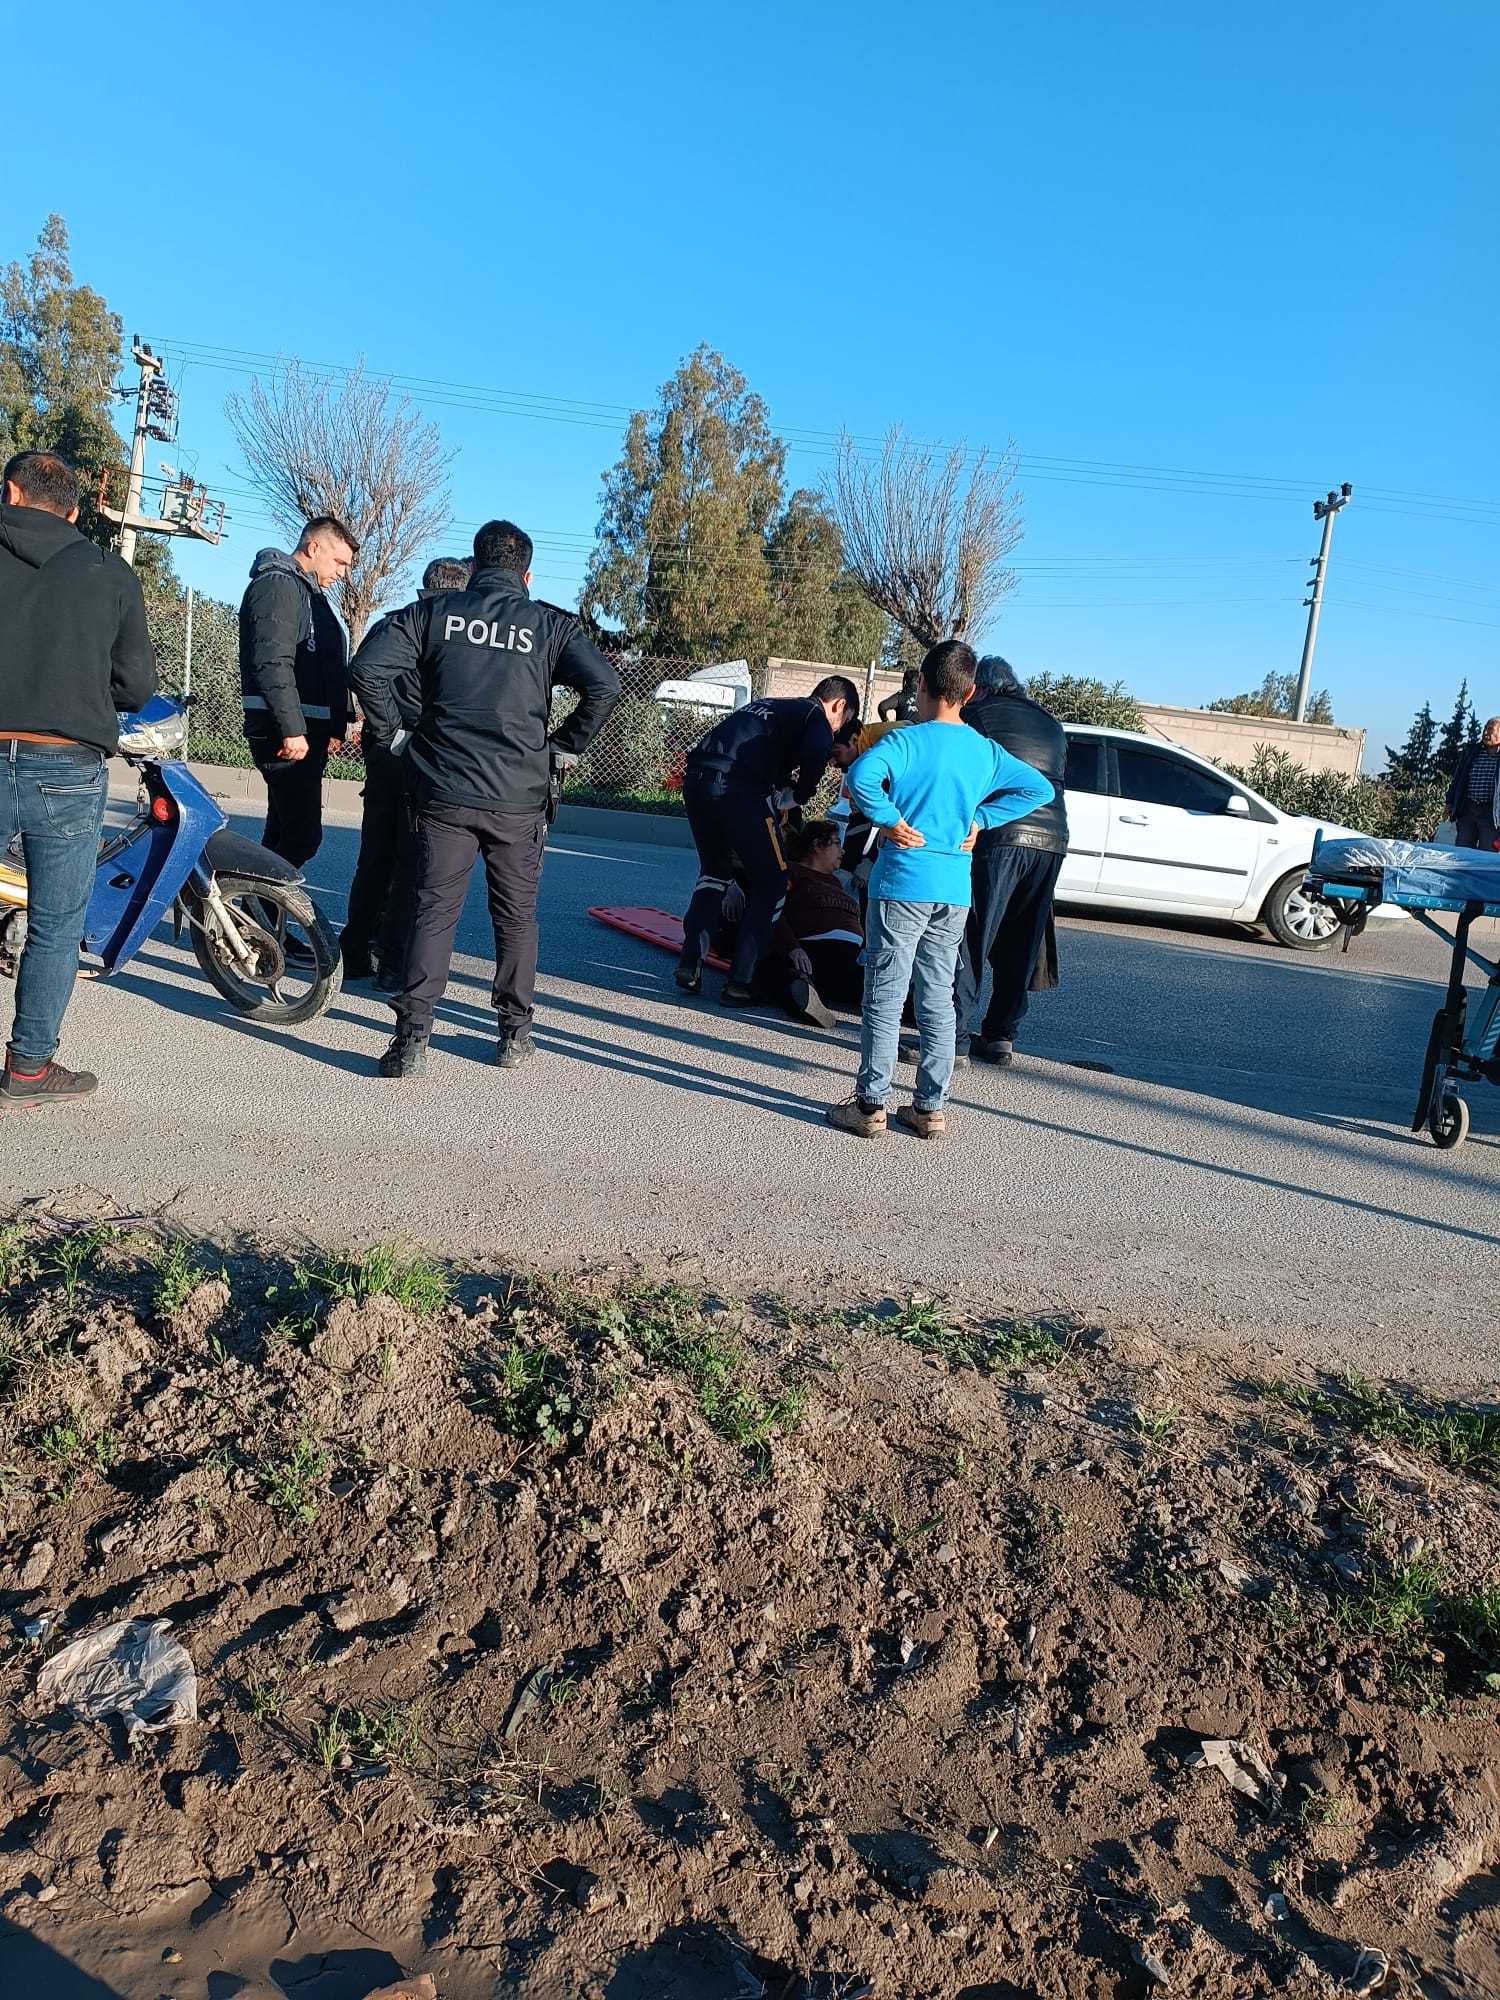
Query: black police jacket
{"x": 292, "y": 655}
{"x": 486, "y": 662}
{"x": 761, "y": 746}
{"x": 1024, "y": 728}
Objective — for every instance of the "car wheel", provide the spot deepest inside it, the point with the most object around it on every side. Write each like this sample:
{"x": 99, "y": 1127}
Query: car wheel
{"x": 1300, "y": 921}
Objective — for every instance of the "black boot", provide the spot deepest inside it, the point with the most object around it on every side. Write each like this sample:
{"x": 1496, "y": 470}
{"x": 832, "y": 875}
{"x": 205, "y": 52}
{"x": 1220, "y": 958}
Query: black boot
{"x": 407, "y": 1055}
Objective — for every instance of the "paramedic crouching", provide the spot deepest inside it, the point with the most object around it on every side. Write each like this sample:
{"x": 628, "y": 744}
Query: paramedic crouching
{"x": 732, "y": 791}
{"x": 487, "y": 659}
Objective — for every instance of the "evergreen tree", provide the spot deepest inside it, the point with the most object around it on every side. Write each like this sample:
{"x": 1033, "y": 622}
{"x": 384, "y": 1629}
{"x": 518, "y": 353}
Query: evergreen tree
{"x": 1415, "y": 762}
{"x": 1454, "y": 735}
{"x": 59, "y": 357}
{"x": 817, "y": 611}
{"x": 699, "y": 556}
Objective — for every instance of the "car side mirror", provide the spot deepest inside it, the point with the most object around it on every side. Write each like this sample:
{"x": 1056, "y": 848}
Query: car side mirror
{"x": 1239, "y": 805}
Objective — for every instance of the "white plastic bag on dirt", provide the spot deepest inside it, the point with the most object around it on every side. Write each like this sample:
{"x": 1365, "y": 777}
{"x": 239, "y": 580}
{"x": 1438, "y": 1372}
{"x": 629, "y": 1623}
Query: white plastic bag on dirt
{"x": 132, "y": 1670}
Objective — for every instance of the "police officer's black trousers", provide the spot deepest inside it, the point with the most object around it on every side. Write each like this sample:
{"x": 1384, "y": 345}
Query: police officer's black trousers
{"x": 1013, "y": 890}
{"x": 449, "y": 839}
{"x": 732, "y": 825}
{"x": 294, "y": 799}
{"x": 382, "y": 895}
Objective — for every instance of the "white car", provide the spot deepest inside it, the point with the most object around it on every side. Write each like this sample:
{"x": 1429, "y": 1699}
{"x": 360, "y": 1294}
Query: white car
{"x": 1153, "y": 827}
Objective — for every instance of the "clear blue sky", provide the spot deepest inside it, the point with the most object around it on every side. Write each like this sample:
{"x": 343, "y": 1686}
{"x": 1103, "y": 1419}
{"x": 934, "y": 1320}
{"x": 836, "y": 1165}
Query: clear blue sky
{"x": 1254, "y": 246}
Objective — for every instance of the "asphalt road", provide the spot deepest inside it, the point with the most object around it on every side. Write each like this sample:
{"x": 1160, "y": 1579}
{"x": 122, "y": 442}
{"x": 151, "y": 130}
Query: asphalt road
{"x": 1243, "y": 1169}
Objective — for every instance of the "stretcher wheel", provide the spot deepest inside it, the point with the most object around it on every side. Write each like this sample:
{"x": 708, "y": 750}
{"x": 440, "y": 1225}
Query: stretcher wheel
{"x": 1433, "y": 1066}
{"x": 1449, "y": 1122}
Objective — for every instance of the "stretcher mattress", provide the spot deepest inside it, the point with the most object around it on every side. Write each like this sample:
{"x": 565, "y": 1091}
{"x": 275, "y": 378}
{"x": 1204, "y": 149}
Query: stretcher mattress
{"x": 1409, "y": 873}
{"x": 655, "y": 926}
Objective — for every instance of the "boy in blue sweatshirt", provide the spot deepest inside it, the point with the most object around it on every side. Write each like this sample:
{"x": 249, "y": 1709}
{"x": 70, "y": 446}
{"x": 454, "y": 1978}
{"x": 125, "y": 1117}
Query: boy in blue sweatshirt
{"x": 931, "y": 788}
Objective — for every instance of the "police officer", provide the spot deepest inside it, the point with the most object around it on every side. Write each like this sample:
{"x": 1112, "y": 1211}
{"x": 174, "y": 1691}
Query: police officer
{"x": 381, "y": 894}
{"x": 729, "y": 791}
{"x": 478, "y": 764}
{"x": 292, "y": 658}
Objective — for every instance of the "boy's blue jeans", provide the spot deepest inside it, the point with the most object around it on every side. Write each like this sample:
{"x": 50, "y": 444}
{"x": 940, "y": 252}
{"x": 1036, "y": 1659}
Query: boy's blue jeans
{"x": 912, "y": 945}
{"x": 53, "y": 795}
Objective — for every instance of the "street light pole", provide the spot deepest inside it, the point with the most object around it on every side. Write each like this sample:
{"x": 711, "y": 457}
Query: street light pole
{"x": 1324, "y": 511}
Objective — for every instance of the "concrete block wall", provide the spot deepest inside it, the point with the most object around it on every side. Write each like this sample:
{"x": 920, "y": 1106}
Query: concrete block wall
{"x": 1232, "y": 739}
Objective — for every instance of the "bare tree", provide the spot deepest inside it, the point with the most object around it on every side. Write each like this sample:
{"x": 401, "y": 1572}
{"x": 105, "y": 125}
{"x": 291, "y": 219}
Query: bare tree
{"x": 317, "y": 444}
{"x": 925, "y": 535}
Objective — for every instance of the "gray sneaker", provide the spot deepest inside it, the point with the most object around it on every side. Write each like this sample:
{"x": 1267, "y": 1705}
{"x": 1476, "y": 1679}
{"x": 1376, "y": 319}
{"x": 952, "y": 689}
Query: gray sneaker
{"x": 512, "y": 1050}
{"x": 51, "y": 1084}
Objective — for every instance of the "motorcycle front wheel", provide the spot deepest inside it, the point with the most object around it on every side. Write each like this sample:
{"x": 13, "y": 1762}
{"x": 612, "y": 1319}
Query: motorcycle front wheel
{"x": 294, "y": 970}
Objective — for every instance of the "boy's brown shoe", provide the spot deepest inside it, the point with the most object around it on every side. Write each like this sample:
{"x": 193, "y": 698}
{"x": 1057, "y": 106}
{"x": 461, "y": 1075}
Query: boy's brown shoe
{"x": 864, "y": 1121}
{"x": 926, "y": 1124}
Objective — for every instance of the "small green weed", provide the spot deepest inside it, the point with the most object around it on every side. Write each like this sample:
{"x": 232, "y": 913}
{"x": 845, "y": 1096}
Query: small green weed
{"x": 1156, "y": 1425}
{"x": 990, "y": 1350}
{"x": 331, "y": 1740}
{"x": 291, "y": 1483}
{"x": 266, "y": 1696}
{"x": 18, "y": 1260}
{"x": 392, "y": 1735}
{"x": 178, "y": 1270}
{"x": 414, "y": 1281}
{"x": 1474, "y": 1617}
{"x": 1320, "y": 1808}
{"x": 1395, "y": 1601}
{"x": 522, "y": 1388}
{"x": 1468, "y": 1439}
{"x": 671, "y": 1330}
{"x": 72, "y": 1254}
{"x": 562, "y": 1689}
{"x": 69, "y": 1448}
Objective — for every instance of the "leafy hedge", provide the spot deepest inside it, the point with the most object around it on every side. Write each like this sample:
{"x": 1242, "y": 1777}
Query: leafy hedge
{"x": 1369, "y": 805}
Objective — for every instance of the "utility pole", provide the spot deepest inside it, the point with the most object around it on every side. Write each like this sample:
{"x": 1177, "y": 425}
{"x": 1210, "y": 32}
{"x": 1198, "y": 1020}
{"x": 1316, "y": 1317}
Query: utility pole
{"x": 1324, "y": 511}
{"x": 150, "y": 366}
{"x": 185, "y": 507}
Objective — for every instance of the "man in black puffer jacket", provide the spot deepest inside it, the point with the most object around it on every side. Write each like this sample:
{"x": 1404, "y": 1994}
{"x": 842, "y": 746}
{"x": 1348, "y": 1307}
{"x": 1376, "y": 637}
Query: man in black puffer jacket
{"x": 292, "y": 680}
{"x": 1015, "y": 870}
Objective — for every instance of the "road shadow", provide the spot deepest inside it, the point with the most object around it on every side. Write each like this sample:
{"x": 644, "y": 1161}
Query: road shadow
{"x": 29, "y": 1966}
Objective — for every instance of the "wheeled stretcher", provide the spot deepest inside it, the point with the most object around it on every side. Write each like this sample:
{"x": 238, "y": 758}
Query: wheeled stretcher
{"x": 1464, "y": 1046}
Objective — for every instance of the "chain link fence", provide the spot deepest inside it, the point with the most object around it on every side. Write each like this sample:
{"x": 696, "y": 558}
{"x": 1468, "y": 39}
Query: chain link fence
{"x": 635, "y": 763}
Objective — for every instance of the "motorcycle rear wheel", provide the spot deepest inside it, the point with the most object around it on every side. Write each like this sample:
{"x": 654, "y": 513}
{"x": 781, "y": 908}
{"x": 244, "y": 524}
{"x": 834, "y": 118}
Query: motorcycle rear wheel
{"x": 268, "y": 913}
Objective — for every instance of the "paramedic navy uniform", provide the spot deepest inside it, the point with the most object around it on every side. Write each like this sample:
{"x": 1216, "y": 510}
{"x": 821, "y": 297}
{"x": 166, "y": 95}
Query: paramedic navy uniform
{"x": 728, "y": 791}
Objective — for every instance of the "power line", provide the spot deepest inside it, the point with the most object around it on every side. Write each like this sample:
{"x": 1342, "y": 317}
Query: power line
{"x": 1068, "y": 471}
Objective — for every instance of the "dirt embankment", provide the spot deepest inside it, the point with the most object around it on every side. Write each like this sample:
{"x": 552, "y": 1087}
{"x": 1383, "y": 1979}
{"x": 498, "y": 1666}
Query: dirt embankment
{"x": 610, "y": 1642}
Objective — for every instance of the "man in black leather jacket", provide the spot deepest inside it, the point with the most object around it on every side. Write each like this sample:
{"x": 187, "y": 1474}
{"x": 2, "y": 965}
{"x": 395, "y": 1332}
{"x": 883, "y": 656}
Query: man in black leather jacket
{"x": 478, "y": 768}
{"x": 1015, "y": 870}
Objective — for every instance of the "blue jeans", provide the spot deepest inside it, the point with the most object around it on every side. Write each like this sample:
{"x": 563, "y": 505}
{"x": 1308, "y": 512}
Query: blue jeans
{"x": 909, "y": 945}
{"x": 52, "y": 794}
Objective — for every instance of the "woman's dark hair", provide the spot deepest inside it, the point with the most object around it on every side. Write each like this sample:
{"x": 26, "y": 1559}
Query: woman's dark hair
{"x": 816, "y": 833}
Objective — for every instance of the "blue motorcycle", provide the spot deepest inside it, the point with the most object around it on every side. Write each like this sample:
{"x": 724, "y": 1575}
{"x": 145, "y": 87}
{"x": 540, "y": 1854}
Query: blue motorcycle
{"x": 253, "y": 926}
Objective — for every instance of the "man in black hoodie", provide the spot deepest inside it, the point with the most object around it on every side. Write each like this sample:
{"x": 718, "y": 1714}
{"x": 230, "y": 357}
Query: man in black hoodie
{"x": 73, "y": 650}
{"x": 1015, "y": 870}
{"x": 292, "y": 680}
